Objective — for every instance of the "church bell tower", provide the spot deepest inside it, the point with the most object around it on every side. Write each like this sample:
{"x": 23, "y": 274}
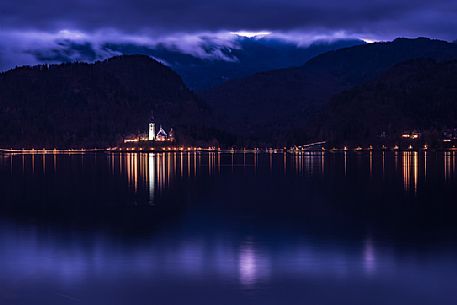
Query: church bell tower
{"x": 152, "y": 132}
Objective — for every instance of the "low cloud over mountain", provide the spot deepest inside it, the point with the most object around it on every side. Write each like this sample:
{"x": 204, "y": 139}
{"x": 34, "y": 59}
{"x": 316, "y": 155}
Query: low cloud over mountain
{"x": 202, "y": 60}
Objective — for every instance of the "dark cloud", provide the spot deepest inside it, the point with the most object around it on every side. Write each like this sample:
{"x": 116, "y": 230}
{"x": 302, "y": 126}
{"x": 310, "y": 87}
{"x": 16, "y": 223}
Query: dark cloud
{"x": 33, "y": 31}
{"x": 379, "y": 18}
{"x": 66, "y": 51}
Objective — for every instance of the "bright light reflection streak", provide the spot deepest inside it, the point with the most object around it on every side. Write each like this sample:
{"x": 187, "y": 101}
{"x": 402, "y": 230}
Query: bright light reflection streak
{"x": 406, "y": 170}
{"x": 209, "y": 164}
{"x": 151, "y": 175}
{"x": 371, "y": 163}
{"x": 323, "y": 163}
{"x": 415, "y": 170}
{"x": 369, "y": 257}
{"x": 345, "y": 162}
{"x": 175, "y": 162}
{"x": 168, "y": 172}
{"x": 135, "y": 171}
{"x": 410, "y": 162}
{"x": 253, "y": 266}
{"x": 425, "y": 165}
{"x": 188, "y": 164}
{"x": 181, "y": 163}
{"x": 396, "y": 160}
{"x": 447, "y": 165}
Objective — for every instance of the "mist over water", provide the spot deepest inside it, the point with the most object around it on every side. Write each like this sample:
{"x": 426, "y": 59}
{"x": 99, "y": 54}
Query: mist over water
{"x": 221, "y": 228}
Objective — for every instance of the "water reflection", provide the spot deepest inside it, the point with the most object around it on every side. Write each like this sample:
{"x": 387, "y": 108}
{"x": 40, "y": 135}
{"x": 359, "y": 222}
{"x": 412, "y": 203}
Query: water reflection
{"x": 449, "y": 164}
{"x": 250, "y": 263}
{"x": 158, "y": 170}
{"x": 410, "y": 162}
{"x": 31, "y": 255}
{"x": 155, "y": 172}
{"x": 254, "y": 266}
{"x": 369, "y": 257}
{"x": 311, "y": 226}
{"x": 345, "y": 162}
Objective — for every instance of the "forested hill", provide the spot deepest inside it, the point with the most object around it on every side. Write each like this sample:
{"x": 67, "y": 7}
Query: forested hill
{"x": 288, "y": 98}
{"x": 416, "y": 95}
{"x": 79, "y": 104}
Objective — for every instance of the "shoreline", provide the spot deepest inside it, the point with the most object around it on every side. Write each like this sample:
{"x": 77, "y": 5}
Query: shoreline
{"x": 293, "y": 150}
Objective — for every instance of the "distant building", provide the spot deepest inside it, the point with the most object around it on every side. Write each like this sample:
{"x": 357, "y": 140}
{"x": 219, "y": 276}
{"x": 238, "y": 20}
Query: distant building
{"x": 450, "y": 134}
{"x": 152, "y": 132}
{"x": 151, "y": 135}
{"x": 414, "y": 135}
{"x": 171, "y": 135}
{"x": 161, "y": 135}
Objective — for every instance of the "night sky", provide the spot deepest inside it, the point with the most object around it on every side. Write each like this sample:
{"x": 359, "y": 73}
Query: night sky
{"x": 30, "y": 25}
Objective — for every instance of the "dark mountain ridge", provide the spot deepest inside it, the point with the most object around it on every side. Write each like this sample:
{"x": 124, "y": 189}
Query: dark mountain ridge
{"x": 416, "y": 95}
{"x": 80, "y": 104}
{"x": 288, "y": 98}
{"x": 252, "y": 55}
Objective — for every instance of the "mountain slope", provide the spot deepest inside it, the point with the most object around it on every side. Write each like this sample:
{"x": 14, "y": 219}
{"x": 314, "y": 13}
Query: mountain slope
{"x": 215, "y": 63}
{"x": 287, "y": 98}
{"x": 415, "y": 95}
{"x": 253, "y": 55}
{"x": 76, "y": 104}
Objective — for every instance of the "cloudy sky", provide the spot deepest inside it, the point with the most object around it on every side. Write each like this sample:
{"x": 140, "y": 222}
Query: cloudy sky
{"x": 30, "y": 25}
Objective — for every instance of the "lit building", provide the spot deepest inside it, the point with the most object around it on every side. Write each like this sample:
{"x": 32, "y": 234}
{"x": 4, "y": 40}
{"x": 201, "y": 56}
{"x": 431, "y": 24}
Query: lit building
{"x": 415, "y": 135}
{"x": 411, "y": 135}
{"x": 151, "y": 135}
{"x": 405, "y": 135}
{"x": 450, "y": 134}
{"x": 161, "y": 135}
{"x": 171, "y": 135}
{"x": 152, "y": 132}
{"x": 131, "y": 140}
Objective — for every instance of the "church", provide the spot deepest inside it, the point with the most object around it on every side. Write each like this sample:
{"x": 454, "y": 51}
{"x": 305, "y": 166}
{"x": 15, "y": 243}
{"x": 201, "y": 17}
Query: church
{"x": 151, "y": 136}
{"x": 161, "y": 135}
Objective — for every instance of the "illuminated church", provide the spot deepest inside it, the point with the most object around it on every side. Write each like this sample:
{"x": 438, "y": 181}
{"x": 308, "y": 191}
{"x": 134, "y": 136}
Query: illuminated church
{"x": 152, "y": 136}
{"x": 161, "y": 135}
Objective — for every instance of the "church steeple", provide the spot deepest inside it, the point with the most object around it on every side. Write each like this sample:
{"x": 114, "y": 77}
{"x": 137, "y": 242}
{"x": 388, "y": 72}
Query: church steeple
{"x": 152, "y": 131}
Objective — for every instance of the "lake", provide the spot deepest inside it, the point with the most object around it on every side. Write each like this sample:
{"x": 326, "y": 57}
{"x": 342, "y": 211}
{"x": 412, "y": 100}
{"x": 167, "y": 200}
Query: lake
{"x": 229, "y": 228}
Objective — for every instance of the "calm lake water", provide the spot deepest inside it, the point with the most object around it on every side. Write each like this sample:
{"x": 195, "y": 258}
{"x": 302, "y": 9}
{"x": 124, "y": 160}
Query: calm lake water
{"x": 209, "y": 228}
